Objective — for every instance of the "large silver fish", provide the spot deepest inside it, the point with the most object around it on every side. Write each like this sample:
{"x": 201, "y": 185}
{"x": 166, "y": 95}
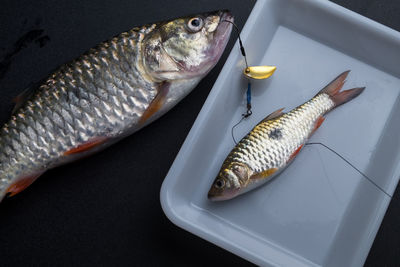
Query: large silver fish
{"x": 108, "y": 93}
{"x": 275, "y": 142}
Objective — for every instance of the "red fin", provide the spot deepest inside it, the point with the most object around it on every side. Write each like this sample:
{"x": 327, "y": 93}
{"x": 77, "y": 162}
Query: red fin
{"x": 264, "y": 174}
{"x": 21, "y": 184}
{"x": 317, "y": 124}
{"x": 334, "y": 86}
{"x": 346, "y": 96}
{"x": 157, "y": 102}
{"x": 295, "y": 153}
{"x": 274, "y": 114}
{"x": 86, "y": 146}
{"x": 333, "y": 90}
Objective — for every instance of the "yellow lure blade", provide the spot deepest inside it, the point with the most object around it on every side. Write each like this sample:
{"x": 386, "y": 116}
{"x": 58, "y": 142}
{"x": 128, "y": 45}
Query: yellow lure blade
{"x": 259, "y": 72}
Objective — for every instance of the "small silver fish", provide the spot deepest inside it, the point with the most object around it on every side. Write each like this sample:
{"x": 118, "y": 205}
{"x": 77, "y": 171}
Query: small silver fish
{"x": 273, "y": 143}
{"x": 108, "y": 93}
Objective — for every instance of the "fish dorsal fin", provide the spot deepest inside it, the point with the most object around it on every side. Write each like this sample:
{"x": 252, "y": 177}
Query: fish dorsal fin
{"x": 20, "y": 99}
{"x": 274, "y": 115}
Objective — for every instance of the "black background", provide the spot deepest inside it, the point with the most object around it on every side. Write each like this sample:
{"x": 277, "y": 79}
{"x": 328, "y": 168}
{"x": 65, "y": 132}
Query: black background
{"x": 105, "y": 210}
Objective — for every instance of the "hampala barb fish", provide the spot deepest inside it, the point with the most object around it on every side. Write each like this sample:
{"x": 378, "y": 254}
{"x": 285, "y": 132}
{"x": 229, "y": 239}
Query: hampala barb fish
{"x": 273, "y": 143}
{"x": 108, "y": 93}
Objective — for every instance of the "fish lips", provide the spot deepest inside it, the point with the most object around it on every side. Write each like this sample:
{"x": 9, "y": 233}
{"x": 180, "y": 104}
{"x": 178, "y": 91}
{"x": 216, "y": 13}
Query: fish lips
{"x": 222, "y": 34}
{"x": 216, "y": 194}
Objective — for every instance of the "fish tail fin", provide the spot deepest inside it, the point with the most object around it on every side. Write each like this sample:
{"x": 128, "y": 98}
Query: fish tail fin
{"x": 346, "y": 95}
{"x": 337, "y": 96}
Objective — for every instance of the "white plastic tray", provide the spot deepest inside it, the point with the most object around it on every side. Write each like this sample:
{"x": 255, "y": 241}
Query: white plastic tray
{"x": 319, "y": 211}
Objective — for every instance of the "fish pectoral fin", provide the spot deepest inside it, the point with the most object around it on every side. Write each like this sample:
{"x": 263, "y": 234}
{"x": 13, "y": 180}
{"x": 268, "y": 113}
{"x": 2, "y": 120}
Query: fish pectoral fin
{"x": 157, "y": 102}
{"x": 317, "y": 124}
{"x": 264, "y": 174}
{"x": 86, "y": 146}
{"x": 22, "y": 183}
{"x": 274, "y": 114}
{"x": 294, "y": 154}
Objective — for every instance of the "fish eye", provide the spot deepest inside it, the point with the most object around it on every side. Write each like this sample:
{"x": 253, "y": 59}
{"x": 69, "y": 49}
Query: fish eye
{"x": 219, "y": 183}
{"x": 195, "y": 24}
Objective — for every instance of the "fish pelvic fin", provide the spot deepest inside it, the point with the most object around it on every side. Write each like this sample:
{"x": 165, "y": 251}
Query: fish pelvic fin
{"x": 22, "y": 183}
{"x": 86, "y": 146}
{"x": 340, "y": 97}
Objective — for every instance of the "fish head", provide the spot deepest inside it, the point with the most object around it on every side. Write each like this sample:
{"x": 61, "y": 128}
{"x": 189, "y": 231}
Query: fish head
{"x": 230, "y": 182}
{"x": 187, "y": 47}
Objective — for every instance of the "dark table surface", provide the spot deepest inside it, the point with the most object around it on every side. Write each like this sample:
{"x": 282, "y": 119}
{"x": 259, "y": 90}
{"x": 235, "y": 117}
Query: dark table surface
{"x": 105, "y": 210}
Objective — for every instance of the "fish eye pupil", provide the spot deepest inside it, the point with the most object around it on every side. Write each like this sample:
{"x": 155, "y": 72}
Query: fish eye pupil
{"x": 219, "y": 183}
{"x": 195, "y": 22}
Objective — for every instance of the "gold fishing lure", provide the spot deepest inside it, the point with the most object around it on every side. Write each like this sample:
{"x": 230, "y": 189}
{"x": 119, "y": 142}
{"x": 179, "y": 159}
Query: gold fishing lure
{"x": 259, "y": 72}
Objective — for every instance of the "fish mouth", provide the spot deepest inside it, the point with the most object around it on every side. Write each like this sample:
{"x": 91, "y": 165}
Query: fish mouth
{"x": 219, "y": 195}
{"x": 216, "y": 198}
{"x": 222, "y": 35}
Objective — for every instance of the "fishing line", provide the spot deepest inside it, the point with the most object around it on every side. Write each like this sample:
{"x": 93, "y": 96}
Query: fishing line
{"x": 240, "y": 42}
{"x": 248, "y": 92}
{"x": 247, "y": 70}
{"x": 233, "y": 127}
{"x": 350, "y": 164}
